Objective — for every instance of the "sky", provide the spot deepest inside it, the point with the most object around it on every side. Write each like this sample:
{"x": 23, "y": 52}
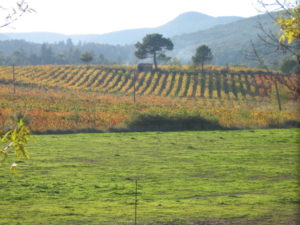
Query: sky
{"x": 104, "y": 16}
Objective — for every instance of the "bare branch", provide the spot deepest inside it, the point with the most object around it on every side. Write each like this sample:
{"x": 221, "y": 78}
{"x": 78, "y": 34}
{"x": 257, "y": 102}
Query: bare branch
{"x": 14, "y": 14}
{"x": 276, "y": 9}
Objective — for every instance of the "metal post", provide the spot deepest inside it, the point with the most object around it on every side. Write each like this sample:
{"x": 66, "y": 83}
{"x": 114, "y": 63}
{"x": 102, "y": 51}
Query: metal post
{"x": 135, "y": 203}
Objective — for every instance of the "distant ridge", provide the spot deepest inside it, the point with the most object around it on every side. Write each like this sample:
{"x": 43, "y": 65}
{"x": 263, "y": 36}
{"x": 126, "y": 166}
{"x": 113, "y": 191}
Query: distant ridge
{"x": 193, "y": 21}
{"x": 185, "y": 23}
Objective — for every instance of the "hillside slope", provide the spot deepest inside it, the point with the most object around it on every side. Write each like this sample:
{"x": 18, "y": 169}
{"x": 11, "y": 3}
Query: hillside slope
{"x": 230, "y": 43}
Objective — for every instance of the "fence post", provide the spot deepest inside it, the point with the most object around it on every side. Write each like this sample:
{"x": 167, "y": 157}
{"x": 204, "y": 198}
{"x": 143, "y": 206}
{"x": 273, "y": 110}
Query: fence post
{"x": 134, "y": 87}
{"x": 14, "y": 79}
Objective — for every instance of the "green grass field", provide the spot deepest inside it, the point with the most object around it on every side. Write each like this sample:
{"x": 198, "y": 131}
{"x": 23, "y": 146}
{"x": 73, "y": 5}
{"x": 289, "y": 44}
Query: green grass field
{"x": 211, "y": 177}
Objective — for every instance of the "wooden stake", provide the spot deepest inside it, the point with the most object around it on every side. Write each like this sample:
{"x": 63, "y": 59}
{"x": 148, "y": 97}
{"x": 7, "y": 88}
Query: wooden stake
{"x": 277, "y": 95}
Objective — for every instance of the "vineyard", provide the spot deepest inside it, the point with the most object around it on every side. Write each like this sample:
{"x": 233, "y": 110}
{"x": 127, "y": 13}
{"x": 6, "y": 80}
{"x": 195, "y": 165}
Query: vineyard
{"x": 72, "y": 98}
{"x": 212, "y": 84}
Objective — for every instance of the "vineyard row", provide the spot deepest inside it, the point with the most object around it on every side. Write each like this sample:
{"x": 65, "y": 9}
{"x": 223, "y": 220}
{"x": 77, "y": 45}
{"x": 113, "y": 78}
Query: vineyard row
{"x": 211, "y": 84}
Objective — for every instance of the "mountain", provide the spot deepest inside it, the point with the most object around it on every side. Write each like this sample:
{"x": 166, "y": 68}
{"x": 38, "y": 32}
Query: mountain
{"x": 184, "y": 23}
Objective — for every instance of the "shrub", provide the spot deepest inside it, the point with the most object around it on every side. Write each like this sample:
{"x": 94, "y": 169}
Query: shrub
{"x": 148, "y": 122}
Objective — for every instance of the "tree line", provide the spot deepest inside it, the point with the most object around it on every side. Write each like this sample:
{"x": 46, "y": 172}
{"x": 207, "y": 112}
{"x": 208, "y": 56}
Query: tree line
{"x": 20, "y": 52}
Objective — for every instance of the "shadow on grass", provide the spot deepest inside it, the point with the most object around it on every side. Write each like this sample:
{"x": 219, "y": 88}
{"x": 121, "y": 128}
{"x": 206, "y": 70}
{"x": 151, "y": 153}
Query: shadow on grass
{"x": 285, "y": 124}
{"x": 70, "y": 131}
{"x": 147, "y": 122}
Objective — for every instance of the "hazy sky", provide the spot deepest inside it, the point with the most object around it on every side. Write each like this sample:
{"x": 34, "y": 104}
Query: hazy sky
{"x": 102, "y": 16}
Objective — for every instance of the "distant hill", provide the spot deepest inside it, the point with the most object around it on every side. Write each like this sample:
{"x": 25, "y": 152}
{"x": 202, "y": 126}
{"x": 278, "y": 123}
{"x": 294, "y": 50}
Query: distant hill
{"x": 36, "y": 37}
{"x": 185, "y": 23}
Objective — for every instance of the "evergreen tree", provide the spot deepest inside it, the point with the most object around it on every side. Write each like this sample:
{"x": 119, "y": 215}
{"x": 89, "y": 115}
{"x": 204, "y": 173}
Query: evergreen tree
{"x": 87, "y": 57}
{"x": 203, "y": 55}
{"x": 153, "y": 45}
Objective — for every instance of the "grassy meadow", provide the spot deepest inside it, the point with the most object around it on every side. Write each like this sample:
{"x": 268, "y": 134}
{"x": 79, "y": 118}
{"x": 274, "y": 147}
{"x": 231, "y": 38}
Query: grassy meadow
{"x": 196, "y": 177}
